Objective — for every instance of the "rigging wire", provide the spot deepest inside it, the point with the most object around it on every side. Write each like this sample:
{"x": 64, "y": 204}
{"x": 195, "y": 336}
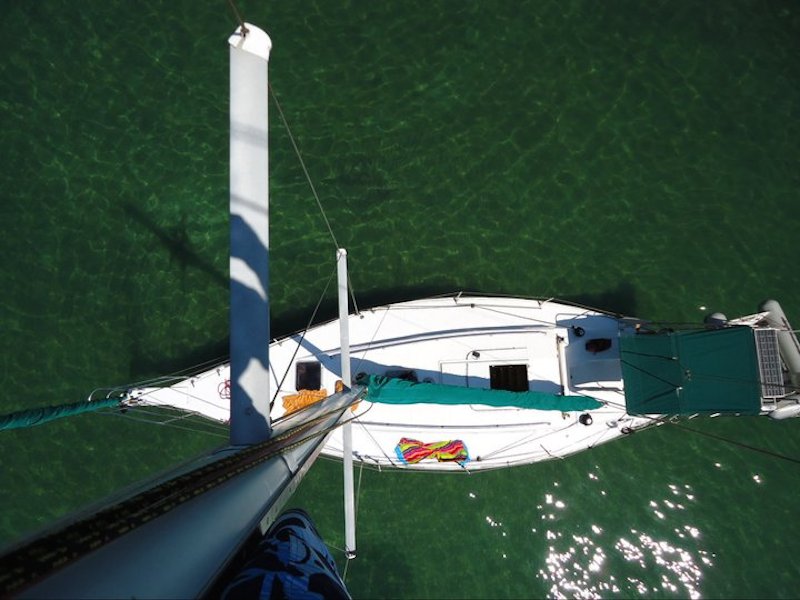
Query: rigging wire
{"x": 220, "y": 434}
{"x": 369, "y": 344}
{"x": 303, "y": 166}
{"x": 532, "y": 437}
{"x": 169, "y": 378}
{"x": 237, "y": 14}
{"x": 302, "y": 337}
{"x": 209, "y": 428}
{"x": 336, "y": 245}
{"x": 669, "y": 420}
{"x": 721, "y": 438}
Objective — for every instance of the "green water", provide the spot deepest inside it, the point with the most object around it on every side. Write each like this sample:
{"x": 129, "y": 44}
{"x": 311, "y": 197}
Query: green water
{"x": 637, "y": 156}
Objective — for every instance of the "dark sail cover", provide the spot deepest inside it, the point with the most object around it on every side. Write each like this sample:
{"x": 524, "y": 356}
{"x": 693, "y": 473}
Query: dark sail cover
{"x": 388, "y": 390}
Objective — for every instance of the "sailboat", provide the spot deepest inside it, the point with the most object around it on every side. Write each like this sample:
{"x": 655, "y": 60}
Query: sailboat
{"x": 472, "y": 382}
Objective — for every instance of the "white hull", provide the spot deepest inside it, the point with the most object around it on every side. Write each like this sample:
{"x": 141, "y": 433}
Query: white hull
{"x": 450, "y": 340}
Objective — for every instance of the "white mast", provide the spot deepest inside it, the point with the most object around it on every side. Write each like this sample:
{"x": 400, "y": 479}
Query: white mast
{"x": 249, "y": 227}
{"x": 347, "y": 434}
{"x": 139, "y": 547}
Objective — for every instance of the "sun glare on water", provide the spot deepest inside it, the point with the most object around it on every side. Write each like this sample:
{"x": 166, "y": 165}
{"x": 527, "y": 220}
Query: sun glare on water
{"x": 580, "y": 564}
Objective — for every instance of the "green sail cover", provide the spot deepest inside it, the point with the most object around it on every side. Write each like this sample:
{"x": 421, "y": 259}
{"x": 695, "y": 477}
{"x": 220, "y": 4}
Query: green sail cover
{"x": 387, "y": 390}
{"x": 37, "y": 416}
{"x": 688, "y": 372}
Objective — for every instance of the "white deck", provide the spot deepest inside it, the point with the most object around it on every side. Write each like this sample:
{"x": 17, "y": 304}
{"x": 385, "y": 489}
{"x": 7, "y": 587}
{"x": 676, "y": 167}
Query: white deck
{"x": 452, "y": 340}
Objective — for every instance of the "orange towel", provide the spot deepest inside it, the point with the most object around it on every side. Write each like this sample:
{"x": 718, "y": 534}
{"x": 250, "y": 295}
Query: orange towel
{"x": 303, "y": 398}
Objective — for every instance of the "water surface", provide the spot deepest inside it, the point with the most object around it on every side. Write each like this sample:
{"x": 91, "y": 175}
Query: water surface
{"x": 635, "y": 157}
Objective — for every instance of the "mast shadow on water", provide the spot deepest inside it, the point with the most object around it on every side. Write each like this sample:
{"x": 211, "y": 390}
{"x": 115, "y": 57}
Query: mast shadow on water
{"x": 178, "y": 243}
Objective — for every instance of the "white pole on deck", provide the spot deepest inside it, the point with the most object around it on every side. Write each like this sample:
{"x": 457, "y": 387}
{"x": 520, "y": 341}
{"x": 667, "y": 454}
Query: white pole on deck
{"x": 249, "y": 230}
{"x": 347, "y": 433}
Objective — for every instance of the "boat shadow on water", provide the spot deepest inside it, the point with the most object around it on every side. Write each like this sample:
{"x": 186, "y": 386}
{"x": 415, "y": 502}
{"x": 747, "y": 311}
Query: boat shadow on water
{"x": 620, "y": 300}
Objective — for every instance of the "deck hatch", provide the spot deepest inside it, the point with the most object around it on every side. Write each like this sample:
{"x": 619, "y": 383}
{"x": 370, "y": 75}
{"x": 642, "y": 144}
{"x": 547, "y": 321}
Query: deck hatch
{"x": 512, "y": 378}
{"x": 308, "y": 376}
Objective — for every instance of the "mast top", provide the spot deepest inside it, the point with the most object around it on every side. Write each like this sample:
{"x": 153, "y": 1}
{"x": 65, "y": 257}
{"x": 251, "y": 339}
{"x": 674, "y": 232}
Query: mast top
{"x": 253, "y": 40}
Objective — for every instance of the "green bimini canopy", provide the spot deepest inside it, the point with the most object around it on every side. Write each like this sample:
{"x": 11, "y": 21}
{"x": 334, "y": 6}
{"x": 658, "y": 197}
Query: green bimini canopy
{"x": 687, "y": 372}
{"x": 388, "y": 390}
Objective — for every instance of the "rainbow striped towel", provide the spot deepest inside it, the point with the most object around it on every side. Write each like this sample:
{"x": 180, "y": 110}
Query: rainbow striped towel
{"x": 410, "y": 451}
